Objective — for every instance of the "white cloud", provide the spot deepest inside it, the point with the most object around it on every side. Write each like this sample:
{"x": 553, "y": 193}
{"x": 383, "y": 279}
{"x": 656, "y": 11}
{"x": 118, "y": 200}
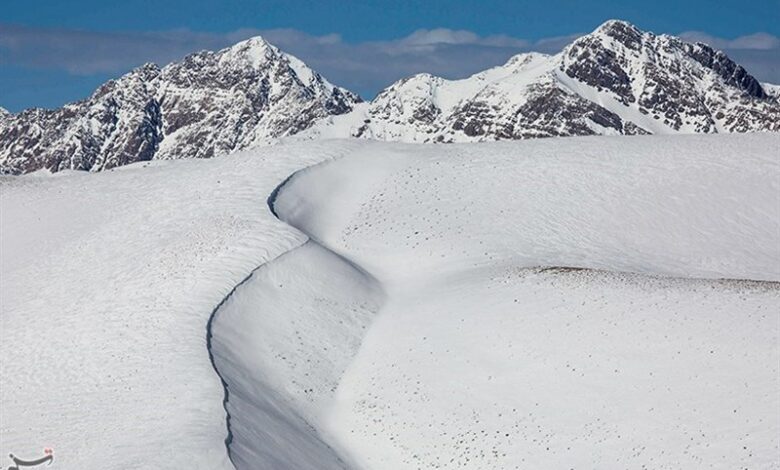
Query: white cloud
{"x": 439, "y": 36}
{"x": 757, "y": 41}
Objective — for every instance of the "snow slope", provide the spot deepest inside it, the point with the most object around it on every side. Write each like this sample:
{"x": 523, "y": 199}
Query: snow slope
{"x": 686, "y": 206}
{"x": 419, "y": 309}
{"x": 284, "y": 340}
{"x": 494, "y": 350}
{"x": 107, "y": 284}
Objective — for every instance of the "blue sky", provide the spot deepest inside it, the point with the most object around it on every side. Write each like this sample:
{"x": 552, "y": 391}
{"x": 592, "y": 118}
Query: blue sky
{"x": 54, "y": 51}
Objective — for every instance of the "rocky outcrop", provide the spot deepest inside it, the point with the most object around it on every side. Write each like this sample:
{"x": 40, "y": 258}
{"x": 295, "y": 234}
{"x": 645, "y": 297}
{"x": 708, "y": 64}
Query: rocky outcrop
{"x": 208, "y": 104}
{"x": 616, "y": 80}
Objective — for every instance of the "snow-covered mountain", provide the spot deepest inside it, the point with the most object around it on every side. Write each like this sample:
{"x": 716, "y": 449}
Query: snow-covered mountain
{"x": 210, "y": 103}
{"x": 616, "y": 80}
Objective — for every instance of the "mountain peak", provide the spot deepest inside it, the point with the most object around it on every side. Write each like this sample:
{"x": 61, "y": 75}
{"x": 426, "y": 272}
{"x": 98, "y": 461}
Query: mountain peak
{"x": 421, "y": 77}
{"x": 207, "y": 104}
{"x": 255, "y": 51}
{"x": 615, "y": 25}
{"x": 521, "y": 60}
{"x": 620, "y": 57}
{"x": 255, "y": 43}
{"x": 620, "y": 31}
{"x": 146, "y": 71}
{"x": 615, "y": 80}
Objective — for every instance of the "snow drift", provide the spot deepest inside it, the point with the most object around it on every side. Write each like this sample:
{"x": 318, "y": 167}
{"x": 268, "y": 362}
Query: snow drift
{"x": 567, "y": 302}
{"x": 500, "y": 346}
{"x": 107, "y": 284}
{"x": 687, "y": 206}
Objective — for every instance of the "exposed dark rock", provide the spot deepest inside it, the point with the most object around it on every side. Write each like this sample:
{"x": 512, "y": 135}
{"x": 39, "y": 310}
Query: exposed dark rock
{"x": 616, "y": 80}
{"x": 208, "y": 104}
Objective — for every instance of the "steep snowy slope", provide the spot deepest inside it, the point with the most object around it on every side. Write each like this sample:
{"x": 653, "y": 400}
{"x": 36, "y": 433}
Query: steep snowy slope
{"x": 616, "y": 80}
{"x": 495, "y": 349}
{"x": 283, "y": 341}
{"x": 208, "y": 104}
{"x": 107, "y": 282}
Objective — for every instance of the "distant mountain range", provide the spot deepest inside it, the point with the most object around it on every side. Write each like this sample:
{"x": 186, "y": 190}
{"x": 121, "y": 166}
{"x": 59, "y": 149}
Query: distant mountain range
{"x": 616, "y": 80}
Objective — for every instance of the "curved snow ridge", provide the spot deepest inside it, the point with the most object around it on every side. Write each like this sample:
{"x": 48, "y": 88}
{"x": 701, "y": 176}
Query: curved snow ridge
{"x": 209, "y": 347}
{"x": 681, "y": 206}
{"x": 292, "y": 342}
{"x": 280, "y": 353}
{"x": 564, "y": 366}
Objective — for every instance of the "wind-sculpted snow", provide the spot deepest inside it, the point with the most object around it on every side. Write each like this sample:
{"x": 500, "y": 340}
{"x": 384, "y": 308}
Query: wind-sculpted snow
{"x": 464, "y": 306}
{"x": 107, "y": 284}
{"x": 686, "y": 206}
{"x": 282, "y": 342}
{"x": 499, "y": 345}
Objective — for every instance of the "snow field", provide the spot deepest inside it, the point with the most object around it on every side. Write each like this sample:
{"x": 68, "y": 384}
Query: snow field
{"x": 107, "y": 283}
{"x": 686, "y": 206}
{"x": 493, "y": 350}
{"x": 513, "y": 368}
{"x": 539, "y": 304}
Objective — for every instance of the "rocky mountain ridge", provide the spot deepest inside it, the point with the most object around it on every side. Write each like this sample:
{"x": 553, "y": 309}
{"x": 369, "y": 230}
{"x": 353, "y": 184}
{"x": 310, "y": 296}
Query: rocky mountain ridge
{"x": 208, "y": 104}
{"x": 617, "y": 80}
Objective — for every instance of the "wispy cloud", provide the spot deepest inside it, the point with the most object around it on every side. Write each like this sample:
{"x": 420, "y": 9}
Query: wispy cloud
{"x": 89, "y": 52}
{"x": 757, "y": 41}
{"x": 365, "y": 67}
{"x": 374, "y": 65}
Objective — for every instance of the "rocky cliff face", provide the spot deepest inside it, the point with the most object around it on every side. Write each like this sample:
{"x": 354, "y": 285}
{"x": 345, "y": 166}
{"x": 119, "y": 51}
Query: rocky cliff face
{"x": 616, "y": 80}
{"x": 210, "y": 103}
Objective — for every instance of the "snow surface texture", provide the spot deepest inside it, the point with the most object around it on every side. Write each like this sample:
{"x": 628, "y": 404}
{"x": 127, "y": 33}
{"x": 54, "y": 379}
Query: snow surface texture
{"x": 434, "y": 319}
{"x": 108, "y": 282}
{"x": 294, "y": 326}
{"x": 481, "y": 359}
{"x": 686, "y": 206}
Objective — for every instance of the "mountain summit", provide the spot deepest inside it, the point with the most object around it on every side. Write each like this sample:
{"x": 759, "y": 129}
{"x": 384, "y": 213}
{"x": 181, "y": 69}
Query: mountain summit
{"x": 209, "y": 103}
{"x": 616, "y": 80}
